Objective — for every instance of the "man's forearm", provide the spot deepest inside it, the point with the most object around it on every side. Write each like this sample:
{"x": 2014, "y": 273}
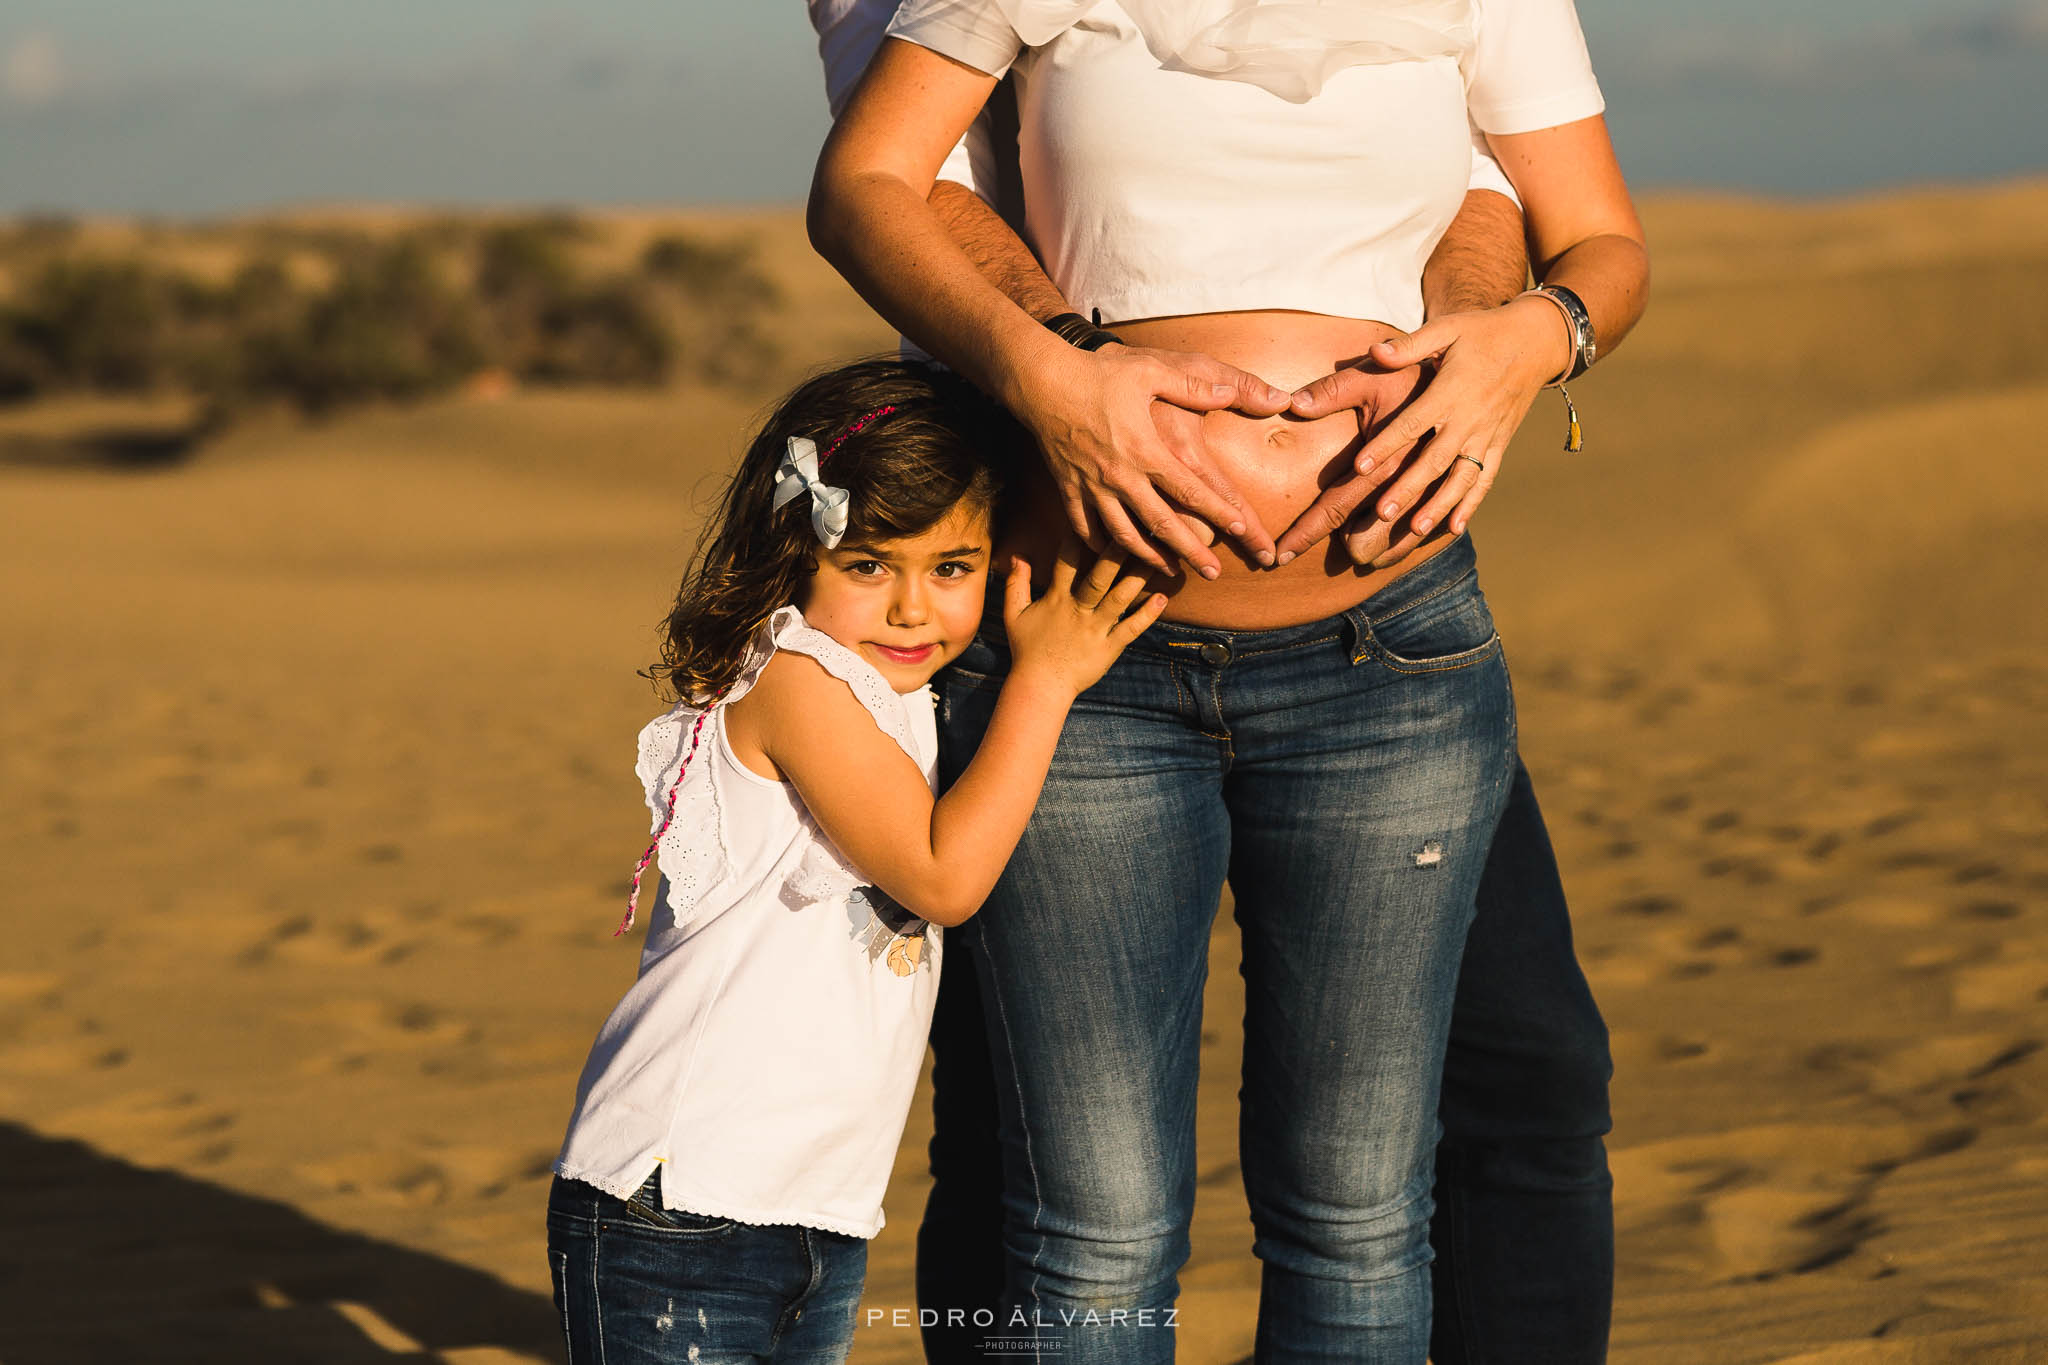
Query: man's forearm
{"x": 997, "y": 252}
{"x": 1482, "y": 261}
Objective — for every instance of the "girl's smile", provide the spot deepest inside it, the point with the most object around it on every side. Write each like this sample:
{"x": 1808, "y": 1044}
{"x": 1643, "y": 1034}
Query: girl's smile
{"x": 908, "y": 606}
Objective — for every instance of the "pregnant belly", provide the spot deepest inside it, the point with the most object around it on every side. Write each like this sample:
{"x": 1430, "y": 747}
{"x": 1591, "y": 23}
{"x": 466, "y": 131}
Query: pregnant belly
{"x": 1278, "y": 464}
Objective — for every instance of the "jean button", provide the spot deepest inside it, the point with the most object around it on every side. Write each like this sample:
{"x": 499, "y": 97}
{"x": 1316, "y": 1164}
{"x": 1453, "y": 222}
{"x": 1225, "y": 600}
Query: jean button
{"x": 1215, "y": 654}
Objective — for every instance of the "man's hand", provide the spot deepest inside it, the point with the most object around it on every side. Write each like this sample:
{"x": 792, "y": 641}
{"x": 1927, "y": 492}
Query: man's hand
{"x": 1489, "y": 367}
{"x": 1127, "y": 468}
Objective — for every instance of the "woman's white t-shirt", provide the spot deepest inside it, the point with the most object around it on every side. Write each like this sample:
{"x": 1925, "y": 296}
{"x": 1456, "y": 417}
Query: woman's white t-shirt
{"x": 766, "y": 1056}
{"x": 1151, "y": 192}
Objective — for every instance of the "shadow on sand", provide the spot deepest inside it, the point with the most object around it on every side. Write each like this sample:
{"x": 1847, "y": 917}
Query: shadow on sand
{"x": 139, "y": 448}
{"x": 107, "y": 1262}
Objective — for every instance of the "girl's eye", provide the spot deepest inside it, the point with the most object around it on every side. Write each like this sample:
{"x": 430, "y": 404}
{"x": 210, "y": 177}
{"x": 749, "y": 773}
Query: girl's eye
{"x": 867, "y": 568}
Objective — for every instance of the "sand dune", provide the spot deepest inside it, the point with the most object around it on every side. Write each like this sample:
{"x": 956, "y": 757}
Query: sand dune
{"x": 315, "y": 754}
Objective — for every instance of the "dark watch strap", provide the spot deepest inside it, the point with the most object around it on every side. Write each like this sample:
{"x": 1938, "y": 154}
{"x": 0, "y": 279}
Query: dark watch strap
{"x": 1076, "y": 330}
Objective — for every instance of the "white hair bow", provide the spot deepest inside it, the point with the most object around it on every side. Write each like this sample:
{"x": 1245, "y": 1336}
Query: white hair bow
{"x": 799, "y": 471}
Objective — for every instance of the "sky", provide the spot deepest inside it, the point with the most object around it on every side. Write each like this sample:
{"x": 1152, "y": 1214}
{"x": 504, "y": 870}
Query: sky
{"x": 195, "y": 107}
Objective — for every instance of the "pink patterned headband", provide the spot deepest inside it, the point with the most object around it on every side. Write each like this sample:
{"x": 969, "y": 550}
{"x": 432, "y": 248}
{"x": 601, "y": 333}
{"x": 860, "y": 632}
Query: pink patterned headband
{"x": 864, "y": 420}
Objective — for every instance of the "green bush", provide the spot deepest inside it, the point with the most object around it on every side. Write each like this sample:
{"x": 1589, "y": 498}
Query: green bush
{"x": 97, "y": 324}
{"x": 387, "y": 328}
{"x": 399, "y": 318}
{"x": 717, "y": 294}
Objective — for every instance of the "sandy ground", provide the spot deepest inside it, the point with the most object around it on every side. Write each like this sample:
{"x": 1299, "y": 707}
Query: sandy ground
{"x": 317, "y": 808}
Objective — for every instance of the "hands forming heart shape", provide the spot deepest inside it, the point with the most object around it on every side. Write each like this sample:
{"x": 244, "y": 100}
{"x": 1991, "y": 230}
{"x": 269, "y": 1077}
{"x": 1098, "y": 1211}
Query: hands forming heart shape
{"x": 1437, "y": 409}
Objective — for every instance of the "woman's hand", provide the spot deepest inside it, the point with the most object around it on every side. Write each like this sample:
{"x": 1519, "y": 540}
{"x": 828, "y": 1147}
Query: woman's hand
{"x": 1375, "y": 394}
{"x": 1489, "y": 367}
{"x": 1121, "y": 437}
{"x": 1066, "y": 639}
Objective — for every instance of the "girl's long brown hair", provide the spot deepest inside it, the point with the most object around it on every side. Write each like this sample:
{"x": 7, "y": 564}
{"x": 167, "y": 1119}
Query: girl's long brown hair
{"x": 943, "y": 445}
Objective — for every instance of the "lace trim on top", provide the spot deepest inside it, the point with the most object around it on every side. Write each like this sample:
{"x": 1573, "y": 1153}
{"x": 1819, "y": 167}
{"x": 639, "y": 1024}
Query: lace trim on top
{"x": 690, "y": 838}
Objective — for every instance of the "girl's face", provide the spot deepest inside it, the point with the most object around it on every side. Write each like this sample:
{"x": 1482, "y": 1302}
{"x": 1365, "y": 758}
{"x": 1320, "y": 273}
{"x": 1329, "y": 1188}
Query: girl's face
{"x": 909, "y": 606}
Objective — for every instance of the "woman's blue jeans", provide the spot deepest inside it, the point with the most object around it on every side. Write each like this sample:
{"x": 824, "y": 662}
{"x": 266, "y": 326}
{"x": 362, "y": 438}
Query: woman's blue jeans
{"x": 637, "y": 1284}
{"x": 1346, "y": 777}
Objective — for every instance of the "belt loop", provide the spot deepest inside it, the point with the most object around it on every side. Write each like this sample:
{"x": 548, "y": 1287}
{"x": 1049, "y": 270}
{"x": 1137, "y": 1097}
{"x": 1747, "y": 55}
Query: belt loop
{"x": 1358, "y": 625}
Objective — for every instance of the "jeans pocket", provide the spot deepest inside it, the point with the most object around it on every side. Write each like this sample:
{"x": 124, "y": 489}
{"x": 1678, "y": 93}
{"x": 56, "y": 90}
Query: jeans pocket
{"x": 645, "y": 1210}
{"x": 1452, "y": 630}
{"x": 655, "y": 1218}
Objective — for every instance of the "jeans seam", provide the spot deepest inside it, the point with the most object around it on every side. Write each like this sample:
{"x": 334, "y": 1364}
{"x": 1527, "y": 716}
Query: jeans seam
{"x": 1449, "y": 663}
{"x": 1423, "y": 600}
{"x": 596, "y": 1297}
{"x": 1463, "y": 1305}
{"x": 1282, "y": 649}
{"x": 1024, "y": 1127}
{"x": 568, "y": 1337}
{"x": 814, "y": 1270}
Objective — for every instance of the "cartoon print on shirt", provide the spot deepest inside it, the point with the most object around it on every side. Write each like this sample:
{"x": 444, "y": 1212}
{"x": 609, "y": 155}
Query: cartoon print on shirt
{"x": 891, "y": 933}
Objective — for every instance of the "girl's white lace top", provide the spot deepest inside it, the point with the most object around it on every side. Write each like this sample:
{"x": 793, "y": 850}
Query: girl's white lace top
{"x": 765, "y": 1057}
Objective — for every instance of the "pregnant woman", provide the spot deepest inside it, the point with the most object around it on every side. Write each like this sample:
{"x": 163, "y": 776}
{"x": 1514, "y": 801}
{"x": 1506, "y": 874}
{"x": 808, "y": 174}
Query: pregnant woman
{"x": 1336, "y": 741}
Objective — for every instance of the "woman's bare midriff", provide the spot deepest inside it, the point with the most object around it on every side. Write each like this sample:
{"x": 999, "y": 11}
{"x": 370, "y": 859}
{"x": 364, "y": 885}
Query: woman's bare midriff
{"x": 1279, "y": 465}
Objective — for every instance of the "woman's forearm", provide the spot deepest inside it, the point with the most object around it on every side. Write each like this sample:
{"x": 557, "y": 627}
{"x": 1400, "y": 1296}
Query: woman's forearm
{"x": 1611, "y": 276}
{"x": 1584, "y": 233}
{"x": 882, "y": 235}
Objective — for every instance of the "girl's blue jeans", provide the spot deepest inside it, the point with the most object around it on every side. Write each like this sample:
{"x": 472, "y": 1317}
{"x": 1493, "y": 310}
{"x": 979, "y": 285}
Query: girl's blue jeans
{"x": 637, "y": 1284}
{"x": 1346, "y": 777}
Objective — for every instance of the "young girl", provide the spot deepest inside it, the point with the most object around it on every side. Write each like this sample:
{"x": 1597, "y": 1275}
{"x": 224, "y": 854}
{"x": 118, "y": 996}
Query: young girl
{"x": 738, "y": 1117}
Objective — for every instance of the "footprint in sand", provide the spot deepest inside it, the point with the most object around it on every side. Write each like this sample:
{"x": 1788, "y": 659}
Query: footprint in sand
{"x": 1756, "y": 1203}
{"x": 430, "y": 1175}
{"x": 1943, "y": 1063}
{"x": 1990, "y": 910}
{"x": 1890, "y": 911}
{"x": 361, "y": 1029}
{"x": 2016, "y": 984}
{"x": 1764, "y": 1231}
{"x": 352, "y": 938}
{"x": 176, "y": 1127}
{"x": 1682, "y": 1049}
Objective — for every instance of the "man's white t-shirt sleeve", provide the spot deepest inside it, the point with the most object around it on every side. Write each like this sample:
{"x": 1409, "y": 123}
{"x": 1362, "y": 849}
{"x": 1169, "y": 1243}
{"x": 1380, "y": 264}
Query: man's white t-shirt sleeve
{"x": 1486, "y": 172}
{"x": 1529, "y": 68}
{"x": 850, "y": 33}
{"x": 972, "y": 162}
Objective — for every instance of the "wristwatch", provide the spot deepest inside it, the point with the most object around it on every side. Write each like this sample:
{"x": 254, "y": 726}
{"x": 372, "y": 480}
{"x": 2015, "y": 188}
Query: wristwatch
{"x": 1584, "y": 345}
{"x": 1082, "y": 332}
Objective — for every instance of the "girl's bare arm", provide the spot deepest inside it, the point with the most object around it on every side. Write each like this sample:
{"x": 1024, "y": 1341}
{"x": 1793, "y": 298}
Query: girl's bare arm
{"x": 939, "y": 858}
